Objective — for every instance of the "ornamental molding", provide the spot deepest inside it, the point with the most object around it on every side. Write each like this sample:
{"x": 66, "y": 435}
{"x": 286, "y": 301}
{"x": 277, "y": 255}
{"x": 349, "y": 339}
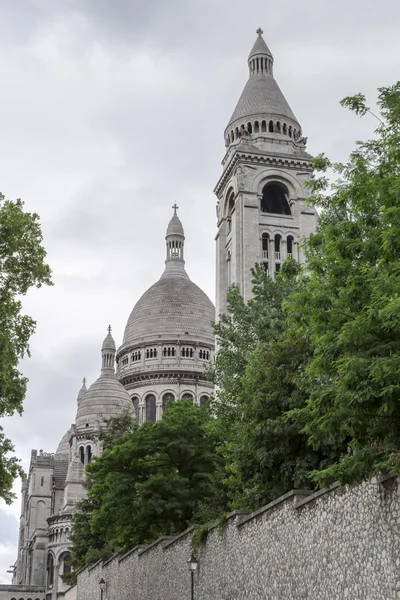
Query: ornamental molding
{"x": 251, "y": 158}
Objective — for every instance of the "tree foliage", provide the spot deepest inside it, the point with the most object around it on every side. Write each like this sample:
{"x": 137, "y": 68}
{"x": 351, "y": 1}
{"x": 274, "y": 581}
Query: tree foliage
{"x": 22, "y": 266}
{"x": 350, "y": 307}
{"x": 161, "y": 478}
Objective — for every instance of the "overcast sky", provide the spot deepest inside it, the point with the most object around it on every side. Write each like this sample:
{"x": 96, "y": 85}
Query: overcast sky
{"x": 112, "y": 110}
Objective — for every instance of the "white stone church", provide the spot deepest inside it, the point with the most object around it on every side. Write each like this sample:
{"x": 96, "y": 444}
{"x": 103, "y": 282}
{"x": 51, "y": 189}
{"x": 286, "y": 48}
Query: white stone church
{"x": 262, "y": 216}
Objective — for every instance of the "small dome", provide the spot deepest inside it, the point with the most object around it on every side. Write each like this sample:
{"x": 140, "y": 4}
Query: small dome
{"x": 109, "y": 343}
{"x": 175, "y": 226}
{"x": 63, "y": 446}
{"x": 105, "y": 398}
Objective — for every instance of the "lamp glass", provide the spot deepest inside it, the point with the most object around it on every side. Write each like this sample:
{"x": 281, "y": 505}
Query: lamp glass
{"x": 193, "y": 563}
{"x": 102, "y": 584}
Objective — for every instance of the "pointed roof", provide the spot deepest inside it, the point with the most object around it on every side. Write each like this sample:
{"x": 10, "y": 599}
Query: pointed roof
{"x": 175, "y": 226}
{"x": 262, "y": 95}
{"x": 260, "y": 47}
{"x": 109, "y": 343}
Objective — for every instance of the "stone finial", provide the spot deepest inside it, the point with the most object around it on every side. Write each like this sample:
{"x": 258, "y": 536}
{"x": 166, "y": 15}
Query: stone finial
{"x": 259, "y": 31}
{"x": 175, "y": 207}
{"x": 109, "y": 329}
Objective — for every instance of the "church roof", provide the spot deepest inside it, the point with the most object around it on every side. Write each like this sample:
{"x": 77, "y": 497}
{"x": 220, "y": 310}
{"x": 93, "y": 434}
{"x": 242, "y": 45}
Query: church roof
{"x": 175, "y": 226}
{"x": 63, "y": 446}
{"x": 106, "y": 397}
{"x": 261, "y": 95}
{"x": 174, "y": 306}
{"x": 260, "y": 47}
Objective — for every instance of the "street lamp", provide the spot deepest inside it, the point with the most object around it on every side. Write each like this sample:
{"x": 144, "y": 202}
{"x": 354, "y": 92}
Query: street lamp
{"x": 102, "y": 585}
{"x": 193, "y": 563}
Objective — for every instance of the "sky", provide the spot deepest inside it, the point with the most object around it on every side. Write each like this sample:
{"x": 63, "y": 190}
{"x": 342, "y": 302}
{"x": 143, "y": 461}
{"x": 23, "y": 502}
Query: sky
{"x": 111, "y": 111}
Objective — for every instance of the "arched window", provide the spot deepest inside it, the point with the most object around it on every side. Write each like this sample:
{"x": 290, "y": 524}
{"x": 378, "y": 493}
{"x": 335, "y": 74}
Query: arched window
{"x": 50, "y": 570}
{"x": 82, "y": 455}
{"x": 168, "y": 397}
{"x": 230, "y": 205}
{"x": 41, "y": 481}
{"x": 263, "y": 126}
{"x": 284, "y": 129}
{"x": 165, "y": 352}
{"x": 290, "y": 131}
{"x": 256, "y": 127}
{"x": 135, "y": 402}
{"x": 265, "y": 245}
{"x": 278, "y": 239}
{"x": 274, "y": 199}
{"x": 188, "y": 396}
{"x": 88, "y": 455}
{"x": 271, "y": 127}
{"x": 289, "y": 245}
{"x": 249, "y": 128}
{"x": 203, "y": 400}
{"x": 65, "y": 563}
{"x": 150, "y": 407}
{"x": 173, "y": 351}
{"x": 278, "y": 127}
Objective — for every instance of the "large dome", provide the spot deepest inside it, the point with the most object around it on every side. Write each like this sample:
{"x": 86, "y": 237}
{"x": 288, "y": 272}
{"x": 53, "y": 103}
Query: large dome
{"x": 63, "y": 446}
{"x": 174, "y": 306}
{"x": 105, "y": 398}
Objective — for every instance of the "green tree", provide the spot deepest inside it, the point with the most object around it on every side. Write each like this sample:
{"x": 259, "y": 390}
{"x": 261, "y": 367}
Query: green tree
{"x": 22, "y": 266}
{"x": 159, "y": 480}
{"x": 259, "y": 374}
{"x": 350, "y": 305}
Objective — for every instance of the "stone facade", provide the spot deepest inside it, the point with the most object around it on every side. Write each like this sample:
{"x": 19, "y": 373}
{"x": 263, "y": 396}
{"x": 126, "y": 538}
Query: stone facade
{"x": 167, "y": 342}
{"x": 261, "y": 209}
{"x": 331, "y": 545}
{"x": 168, "y": 338}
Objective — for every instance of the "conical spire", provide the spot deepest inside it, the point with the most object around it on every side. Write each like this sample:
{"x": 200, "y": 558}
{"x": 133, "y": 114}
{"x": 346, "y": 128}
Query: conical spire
{"x": 262, "y": 108}
{"x": 175, "y": 242}
{"x": 260, "y": 48}
{"x": 108, "y": 351}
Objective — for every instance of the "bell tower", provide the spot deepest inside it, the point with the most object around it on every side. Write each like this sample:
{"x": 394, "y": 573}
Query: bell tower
{"x": 261, "y": 209}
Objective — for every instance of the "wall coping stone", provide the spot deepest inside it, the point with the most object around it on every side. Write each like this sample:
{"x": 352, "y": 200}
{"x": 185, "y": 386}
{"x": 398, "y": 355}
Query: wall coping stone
{"x": 161, "y": 539}
{"x": 90, "y": 567}
{"x": 288, "y": 496}
{"x": 134, "y": 549}
{"x": 178, "y": 537}
{"x": 318, "y": 494}
{"x": 386, "y": 477}
{"x": 105, "y": 562}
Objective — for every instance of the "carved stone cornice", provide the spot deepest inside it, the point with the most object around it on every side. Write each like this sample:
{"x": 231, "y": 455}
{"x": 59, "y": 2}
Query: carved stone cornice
{"x": 262, "y": 158}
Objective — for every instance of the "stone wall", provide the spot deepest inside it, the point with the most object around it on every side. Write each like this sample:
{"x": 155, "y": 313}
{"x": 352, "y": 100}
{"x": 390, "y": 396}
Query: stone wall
{"x": 21, "y": 592}
{"x": 333, "y": 545}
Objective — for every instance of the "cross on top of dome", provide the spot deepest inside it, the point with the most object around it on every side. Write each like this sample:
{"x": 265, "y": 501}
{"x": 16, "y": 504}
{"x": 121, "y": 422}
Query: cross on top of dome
{"x": 259, "y": 31}
{"x": 175, "y": 207}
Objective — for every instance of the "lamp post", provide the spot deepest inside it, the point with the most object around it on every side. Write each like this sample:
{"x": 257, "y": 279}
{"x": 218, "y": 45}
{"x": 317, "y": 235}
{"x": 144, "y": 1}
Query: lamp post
{"x": 193, "y": 563}
{"x": 102, "y": 585}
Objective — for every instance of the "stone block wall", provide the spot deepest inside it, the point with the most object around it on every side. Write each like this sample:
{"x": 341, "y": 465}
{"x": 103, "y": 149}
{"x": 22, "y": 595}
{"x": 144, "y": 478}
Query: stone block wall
{"x": 333, "y": 545}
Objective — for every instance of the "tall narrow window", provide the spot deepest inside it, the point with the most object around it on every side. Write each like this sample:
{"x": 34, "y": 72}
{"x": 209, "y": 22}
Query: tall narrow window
{"x": 150, "y": 407}
{"x": 82, "y": 455}
{"x": 203, "y": 400}
{"x": 289, "y": 245}
{"x": 50, "y": 570}
{"x": 42, "y": 482}
{"x": 188, "y": 396}
{"x": 167, "y": 398}
{"x": 278, "y": 247}
{"x": 135, "y": 402}
{"x": 88, "y": 455}
{"x": 265, "y": 246}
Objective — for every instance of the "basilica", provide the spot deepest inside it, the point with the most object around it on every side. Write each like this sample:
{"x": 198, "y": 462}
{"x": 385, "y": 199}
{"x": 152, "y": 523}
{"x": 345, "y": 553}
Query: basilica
{"x": 261, "y": 217}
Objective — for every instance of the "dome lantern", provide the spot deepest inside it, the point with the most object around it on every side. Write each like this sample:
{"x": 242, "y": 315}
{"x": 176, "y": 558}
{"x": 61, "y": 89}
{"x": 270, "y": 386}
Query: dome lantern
{"x": 175, "y": 242}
